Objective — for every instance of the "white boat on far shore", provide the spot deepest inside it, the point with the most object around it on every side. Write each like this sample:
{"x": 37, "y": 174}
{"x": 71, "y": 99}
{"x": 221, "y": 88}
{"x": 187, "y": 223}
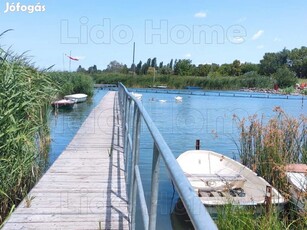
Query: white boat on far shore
{"x": 78, "y": 97}
{"x": 137, "y": 95}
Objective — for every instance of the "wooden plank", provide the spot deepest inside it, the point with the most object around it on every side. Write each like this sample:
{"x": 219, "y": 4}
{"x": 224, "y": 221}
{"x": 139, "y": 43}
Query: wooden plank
{"x": 85, "y": 188}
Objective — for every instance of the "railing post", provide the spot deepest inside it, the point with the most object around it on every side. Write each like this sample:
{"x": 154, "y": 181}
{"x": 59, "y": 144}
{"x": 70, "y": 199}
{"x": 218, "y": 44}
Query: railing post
{"x": 154, "y": 188}
{"x": 126, "y": 132}
{"x": 135, "y": 159}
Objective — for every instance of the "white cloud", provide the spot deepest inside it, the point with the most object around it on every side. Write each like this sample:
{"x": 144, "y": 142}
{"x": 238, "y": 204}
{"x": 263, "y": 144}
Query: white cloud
{"x": 200, "y": 14}
{"x": 260, "y": 47}
{"x": 257, "y": 35}
{"x": 238, "y": 40}
{"x": 188, "y": 55}
{"x": 277, "y": 39}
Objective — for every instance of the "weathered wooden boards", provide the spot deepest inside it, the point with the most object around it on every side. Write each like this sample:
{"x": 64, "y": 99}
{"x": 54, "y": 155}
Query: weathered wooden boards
{"x": 85, "y": 187}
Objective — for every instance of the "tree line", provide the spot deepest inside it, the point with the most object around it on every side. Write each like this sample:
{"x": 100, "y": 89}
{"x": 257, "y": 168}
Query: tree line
{"x": 284, "y": 67}
{"x": 295, "y": 60}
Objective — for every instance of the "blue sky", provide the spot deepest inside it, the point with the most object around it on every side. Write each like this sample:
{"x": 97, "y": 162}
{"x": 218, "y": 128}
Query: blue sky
{"x": 98, "y": 32}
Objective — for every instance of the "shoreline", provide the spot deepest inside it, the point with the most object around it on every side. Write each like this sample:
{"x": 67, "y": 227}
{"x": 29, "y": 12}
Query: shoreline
{"x": 297, "y": 92}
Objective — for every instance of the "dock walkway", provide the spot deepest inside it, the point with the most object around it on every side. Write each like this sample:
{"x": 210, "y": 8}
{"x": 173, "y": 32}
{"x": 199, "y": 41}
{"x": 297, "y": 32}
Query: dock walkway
{"x": 85, "y": 187}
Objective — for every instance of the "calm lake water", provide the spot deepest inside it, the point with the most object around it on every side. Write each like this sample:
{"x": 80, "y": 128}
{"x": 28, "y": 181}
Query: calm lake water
{"x": 208, "y": 118}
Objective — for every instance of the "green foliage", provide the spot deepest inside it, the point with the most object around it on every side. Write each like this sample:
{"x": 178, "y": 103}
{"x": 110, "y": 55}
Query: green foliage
{"x": 73, "y": 82}
{"x": 250, "y": 80}
{"x": 288, "y": 90}
{"x": 271, "y": 62}
{"x": 183, "y": 67}
{"x": 285, "y": 77}
{"x": 232, "y": 217}
{"x": 298, "y": 61}
{"x": 236, "y": 68}
{"x": 25, "y": 96}
{"x": 254, "y": 80}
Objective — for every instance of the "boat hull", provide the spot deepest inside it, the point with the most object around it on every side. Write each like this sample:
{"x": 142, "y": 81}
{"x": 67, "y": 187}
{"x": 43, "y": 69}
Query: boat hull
{"x": 63, "y": 104}
{"x": 78, "y": 98}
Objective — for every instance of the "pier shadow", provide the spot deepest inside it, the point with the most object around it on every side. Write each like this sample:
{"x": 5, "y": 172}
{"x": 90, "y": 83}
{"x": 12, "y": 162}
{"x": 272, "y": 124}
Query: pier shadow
{"x": 117, "y": 203}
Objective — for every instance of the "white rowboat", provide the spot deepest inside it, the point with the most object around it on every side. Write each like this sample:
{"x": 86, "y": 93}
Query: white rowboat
{"x": 219, "y": 180}
{"x": 78, "y": 98}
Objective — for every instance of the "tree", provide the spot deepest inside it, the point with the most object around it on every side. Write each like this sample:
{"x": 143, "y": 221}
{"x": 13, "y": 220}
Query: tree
{"x": 81, "y": 69}
{"x": 285, "y": 77}
{"x": 271, "y": 62}
{"x": 138, "y": 68}
{"x": 236, "y": 68}
{"x": 183, "y": 67}
{"x": 148, "y": 62}
{"x": 144, "y": 68}
{"x": 92, "y": 69}
{"x": 249, "y": 67}
{"x": 226, "y": 70}
{"x": 171, "y": 64}
{"x": 154, "y": 63}
{"x": 202, "y": 70}
{"x": 298, "y": 61}
{"x": 166, "y": 70}
{"x": 161, "y": 65}
{"x": 214, "y": 67}
{"x": 114, "y": 67}
{"x": 125, "y": 69}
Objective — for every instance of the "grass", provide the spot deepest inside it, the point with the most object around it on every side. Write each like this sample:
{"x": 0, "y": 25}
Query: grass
{"x": 241, "y": 218}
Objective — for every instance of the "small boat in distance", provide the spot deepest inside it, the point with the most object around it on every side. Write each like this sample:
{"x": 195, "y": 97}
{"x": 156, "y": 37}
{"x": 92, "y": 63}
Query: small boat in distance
{"x": 137, "y": 95}
{"x": 219, "y": 180}
{"x": 78, "y": 97}
{"x": 297, "y": 178}
{"x": 63, "y": 104}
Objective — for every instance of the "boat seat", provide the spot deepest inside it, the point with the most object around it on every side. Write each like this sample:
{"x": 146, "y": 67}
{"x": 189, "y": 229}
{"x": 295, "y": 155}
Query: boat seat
{"x": 222, "y": 177}
{"x": 216, "y": 181}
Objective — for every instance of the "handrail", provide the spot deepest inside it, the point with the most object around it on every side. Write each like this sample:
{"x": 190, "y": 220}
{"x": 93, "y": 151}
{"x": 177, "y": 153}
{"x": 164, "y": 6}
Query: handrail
{"x": 132, "y": 111}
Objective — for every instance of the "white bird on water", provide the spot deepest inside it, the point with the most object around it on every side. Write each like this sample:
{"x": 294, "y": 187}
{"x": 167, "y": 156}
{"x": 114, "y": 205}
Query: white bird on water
{"x": 178, "y": 99}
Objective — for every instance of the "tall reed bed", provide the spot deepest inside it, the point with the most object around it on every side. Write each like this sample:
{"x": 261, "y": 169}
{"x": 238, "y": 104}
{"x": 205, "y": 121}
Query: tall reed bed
{"x": 267, "y": 145}
{"x": 25, "y": 96}
{"x": 250, "y": 80}
{"x": 73, "y": 82}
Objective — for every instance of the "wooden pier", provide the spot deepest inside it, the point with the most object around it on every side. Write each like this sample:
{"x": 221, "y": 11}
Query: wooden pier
{"x": 85, "y": 187}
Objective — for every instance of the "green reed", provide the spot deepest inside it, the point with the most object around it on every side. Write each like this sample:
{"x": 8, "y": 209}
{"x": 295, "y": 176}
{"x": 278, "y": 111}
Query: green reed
{"x": 25, "y": 96}
{"x": 73, "y": 82}
{"x": 243, "y": 218}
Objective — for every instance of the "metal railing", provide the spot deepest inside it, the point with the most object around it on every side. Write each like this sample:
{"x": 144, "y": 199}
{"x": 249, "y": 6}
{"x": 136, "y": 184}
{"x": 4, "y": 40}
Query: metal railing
{"x": 132, "y": 111}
